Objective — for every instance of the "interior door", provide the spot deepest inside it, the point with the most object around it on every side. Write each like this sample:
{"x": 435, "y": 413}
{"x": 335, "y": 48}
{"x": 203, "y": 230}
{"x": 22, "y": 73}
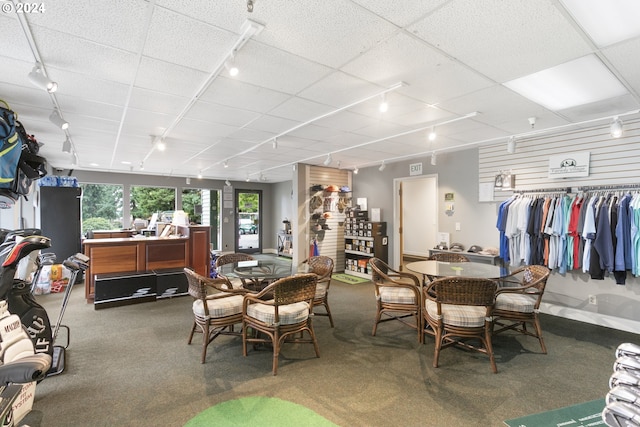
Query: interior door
{"x": 417, "y": 206}
{"x": 248, "y": 224}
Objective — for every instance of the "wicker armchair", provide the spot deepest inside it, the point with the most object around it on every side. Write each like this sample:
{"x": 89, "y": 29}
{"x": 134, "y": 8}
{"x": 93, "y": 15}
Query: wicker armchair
{"x": 448, "y": 257}
{"x": 280, "y": 319}
{"x": 322, "y": 266}
{"x": 214, "y": 313}
{"x": 397, "y": 296}
{"x": 518, "y": 305}
{"x": 459, "y": 309}
{"x": 231, "y": 259}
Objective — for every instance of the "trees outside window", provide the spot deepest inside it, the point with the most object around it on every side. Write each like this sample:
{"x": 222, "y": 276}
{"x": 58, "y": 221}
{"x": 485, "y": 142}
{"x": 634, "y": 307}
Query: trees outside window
{"x": 101, "y": 207}
{"x": 145, "y": 201}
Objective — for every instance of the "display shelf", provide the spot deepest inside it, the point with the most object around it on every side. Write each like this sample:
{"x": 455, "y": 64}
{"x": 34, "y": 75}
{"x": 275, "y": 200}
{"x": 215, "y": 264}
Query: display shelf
{"x": 285, "y": 244}
{"x": 363, "y": 240}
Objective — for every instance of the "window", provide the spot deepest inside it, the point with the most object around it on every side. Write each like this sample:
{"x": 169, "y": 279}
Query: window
{"x": 203, "y": 207}
{"x": 145, "y": 201}
{"x": 101, "y": 207}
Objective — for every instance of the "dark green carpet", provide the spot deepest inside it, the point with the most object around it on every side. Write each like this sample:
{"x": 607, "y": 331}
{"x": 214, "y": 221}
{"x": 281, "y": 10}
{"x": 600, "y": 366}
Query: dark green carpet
{"x": 258, "y": 411}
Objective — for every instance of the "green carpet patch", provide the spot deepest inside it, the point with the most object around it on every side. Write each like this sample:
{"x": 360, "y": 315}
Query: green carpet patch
{"x": 348, "y": 278}
{"x": 582, "y": 414}
{"x": 258, "y": 411}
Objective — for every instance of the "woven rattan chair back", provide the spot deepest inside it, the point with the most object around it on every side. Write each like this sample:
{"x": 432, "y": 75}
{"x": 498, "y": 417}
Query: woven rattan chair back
{"x": 196, "y": 284}
{"x": 321, "y": 265}
{"x": 380, "y": 270}
{"x": 292, "y": 289}
{"x": 233, "y": 258}
{"x": 464, "y": 291}
{"x": 448, "y": 257}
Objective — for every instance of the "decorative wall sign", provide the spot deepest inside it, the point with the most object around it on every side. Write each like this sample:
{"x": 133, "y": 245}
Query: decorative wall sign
{"x": 570, "y": 165}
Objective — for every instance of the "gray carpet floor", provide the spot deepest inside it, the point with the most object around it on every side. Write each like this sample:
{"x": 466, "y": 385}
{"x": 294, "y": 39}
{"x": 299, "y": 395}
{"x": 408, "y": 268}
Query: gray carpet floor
{"x": 131, "y": 366}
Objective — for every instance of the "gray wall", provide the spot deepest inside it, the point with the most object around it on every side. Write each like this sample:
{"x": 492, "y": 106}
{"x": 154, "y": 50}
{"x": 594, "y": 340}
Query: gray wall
{"x": 566, "y": 295}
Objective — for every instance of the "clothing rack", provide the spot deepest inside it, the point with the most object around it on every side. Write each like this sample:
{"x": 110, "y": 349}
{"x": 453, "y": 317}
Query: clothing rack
{"x": 583, "y": 189}
{"x": 546, "y": 190}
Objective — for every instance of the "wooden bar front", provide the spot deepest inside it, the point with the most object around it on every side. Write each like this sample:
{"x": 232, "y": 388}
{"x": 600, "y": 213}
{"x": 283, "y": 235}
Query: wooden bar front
{"x": 129, "y": 255}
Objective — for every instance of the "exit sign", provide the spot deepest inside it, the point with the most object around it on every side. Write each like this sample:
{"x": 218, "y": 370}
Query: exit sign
{"x": 415, "y": 169}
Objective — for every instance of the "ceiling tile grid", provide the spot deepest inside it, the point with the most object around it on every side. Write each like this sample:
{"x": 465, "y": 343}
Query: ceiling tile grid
{"x": 312, "y": 75}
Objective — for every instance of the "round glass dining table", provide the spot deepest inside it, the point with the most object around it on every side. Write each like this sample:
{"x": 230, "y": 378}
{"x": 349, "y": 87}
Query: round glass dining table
{"x": 257, "y": 274}
{"x": 435, "y": 269}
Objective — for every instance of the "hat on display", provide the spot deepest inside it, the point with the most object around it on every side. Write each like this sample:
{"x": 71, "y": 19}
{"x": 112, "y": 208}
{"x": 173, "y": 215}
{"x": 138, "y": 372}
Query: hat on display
{"x": 326, "y": 215}
{"x": 456, "y": 247}
{"x": 332, "y": 189}
{"x": 490, "y": 251}
{"x": 315, "y": 202}
{"x": 345, "y": 189}
{"x": 325, "y": 227}
{"x": 315, "y": 216}
{"x": 475, "y": 249}
{"x": 317, "y": 187}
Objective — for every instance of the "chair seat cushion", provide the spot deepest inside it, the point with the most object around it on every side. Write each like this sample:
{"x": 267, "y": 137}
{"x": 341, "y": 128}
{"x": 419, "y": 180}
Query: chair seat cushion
{"x": 468, "y": 316}
{"x": 321, "y": 290}
{"x": 522, "y": 303}
{"x": 397, "y": 295}
{"x": 219, "y": 307}
{"x": 290, "y": 314}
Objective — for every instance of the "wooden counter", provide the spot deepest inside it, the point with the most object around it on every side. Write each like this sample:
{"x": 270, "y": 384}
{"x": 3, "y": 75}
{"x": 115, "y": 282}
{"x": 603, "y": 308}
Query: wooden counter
{"x": 139, "y": 254}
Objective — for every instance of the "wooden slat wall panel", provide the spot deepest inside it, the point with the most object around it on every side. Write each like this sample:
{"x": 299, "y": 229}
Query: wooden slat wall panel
{"x": 612, "y": 161}
{"x": 332, "y": 242}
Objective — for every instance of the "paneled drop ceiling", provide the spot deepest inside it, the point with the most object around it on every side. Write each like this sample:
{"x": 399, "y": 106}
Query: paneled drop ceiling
{"x": 132, "y": 73}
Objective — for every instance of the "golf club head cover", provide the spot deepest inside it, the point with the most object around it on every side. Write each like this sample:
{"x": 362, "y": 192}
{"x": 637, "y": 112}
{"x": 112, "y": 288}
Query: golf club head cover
{"x": 621, "y": 414}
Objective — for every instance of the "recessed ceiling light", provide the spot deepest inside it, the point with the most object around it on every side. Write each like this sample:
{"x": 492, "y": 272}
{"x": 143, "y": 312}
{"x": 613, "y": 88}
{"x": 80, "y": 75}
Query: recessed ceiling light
{"x": 606, "y": 22}
{"x": 578, "y": 82}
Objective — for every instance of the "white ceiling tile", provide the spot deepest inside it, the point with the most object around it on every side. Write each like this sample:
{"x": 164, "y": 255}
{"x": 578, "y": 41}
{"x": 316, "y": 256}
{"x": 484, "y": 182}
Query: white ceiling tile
{"x": 222, "y": 114}
{"x": 202, "y": 47}
{"x": 116, "y": 23}
{"x": 159, "y": 102}
{"x": 170, "y": 78}
{"x": 431, "y": 76}
{"x": 400, "y": 12}
{"x": 503, "y": 40}
{"x": 625, "y": 58}
{"x": 238, "y": 94}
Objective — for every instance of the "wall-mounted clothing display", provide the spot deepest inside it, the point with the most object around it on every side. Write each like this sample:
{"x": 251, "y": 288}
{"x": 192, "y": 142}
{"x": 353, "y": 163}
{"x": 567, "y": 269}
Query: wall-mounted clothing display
{"x": 595, "y": 232}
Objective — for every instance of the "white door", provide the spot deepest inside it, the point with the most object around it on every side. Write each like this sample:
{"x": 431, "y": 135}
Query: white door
{"x": 416, "y": 207}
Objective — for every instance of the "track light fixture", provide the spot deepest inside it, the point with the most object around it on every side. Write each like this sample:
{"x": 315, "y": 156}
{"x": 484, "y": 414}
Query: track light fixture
{"x": 338, "y": 164}
{"x": 66, "y": 146}
{"x": 328, "y": 160}
{"x": 262, "y": 177}
{"x": 57, "y": 120}
{"x": 616, "y": 127}
{"x": 384, "y": 105}
{"x": 432, "y": 134}
{"x": 200, "y": 175}
{"x": 38, "y": 79}
{"x": 141, "y": 166}
{"x": 249, "y": 6}
{"x": 294, "y": 167}
{"x": 231, "y": 67}
{"x": 227, "y": 183}
{"x": 188, "y": 180}
{"x": 434, "y": 159}
{"x": 355, "y": 171}
{"x": 275, "y": 143}
{"x": 225, "y": 164}
{"x": 511, "y": 145}
{"x": 382, "y": 166}
{"x": 248, "y": 178}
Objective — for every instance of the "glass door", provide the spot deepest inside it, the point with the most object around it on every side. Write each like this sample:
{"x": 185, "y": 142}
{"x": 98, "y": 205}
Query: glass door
{"x": 248, "y": 227}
